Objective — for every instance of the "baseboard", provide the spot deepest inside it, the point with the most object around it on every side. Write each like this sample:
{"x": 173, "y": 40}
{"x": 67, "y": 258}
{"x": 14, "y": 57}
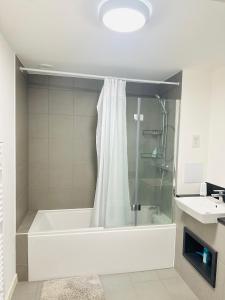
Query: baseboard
{"x": 12, "y": 287}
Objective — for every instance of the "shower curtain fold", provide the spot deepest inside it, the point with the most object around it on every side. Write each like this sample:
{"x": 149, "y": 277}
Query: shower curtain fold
{"x": 112, "y": 202}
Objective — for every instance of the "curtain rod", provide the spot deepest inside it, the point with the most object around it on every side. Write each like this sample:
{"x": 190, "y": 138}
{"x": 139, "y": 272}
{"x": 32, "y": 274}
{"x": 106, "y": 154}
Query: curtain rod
{"x": 88, "y": 76}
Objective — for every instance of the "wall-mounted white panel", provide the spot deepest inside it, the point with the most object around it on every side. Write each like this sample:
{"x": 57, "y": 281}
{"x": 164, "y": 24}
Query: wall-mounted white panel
{"x": 193, "y": 173}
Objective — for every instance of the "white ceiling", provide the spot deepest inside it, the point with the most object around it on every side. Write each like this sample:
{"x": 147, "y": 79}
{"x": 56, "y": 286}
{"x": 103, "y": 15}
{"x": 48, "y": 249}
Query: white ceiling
{"x": 68, "y": 35}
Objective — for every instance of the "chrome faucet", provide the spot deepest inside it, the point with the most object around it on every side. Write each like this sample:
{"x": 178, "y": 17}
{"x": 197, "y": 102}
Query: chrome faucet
{"x": 220, "y": 194}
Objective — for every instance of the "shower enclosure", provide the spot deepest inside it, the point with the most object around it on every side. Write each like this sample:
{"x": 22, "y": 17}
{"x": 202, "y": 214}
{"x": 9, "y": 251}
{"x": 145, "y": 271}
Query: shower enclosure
{"x": 136, "y": 145}
{"x": 151, "y": 131}
{"x": 62, "y": 229}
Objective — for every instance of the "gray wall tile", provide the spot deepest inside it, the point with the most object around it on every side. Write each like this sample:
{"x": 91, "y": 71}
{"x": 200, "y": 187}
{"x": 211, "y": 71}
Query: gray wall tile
{"x": 27, "y": 221}
{"x": 84, "y": 197}
{"x": 61, "y": 176}
{"x": 38, "y": 198}
{"x": 22, "y": 256}
{"x": 86, "y": 103}
{"x": 62, "y": 151}
{"x": 60, "y": 127}
{"x": 85, "y": 151}
{"x": 61, "y": 198}
{"x": 38, "y": 151}
{"x": 38, "y": 100}
{"x": 84, "y": 176}
{"x": 61, "y": 82}
{"x": 85, "y": 127}
{"x": 87, "y": 84}
{"x": 38, "y": 176}
{"x": 61, "y": 101}
{"x": 21, "y": 249}
{"x": 38, "y": 126}
{"x": 22, "y": 273}
{"x": 21, "y": 145}
{"x": 38, "y": 80}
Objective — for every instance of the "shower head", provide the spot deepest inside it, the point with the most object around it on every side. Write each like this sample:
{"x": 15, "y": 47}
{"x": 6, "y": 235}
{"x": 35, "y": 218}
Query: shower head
{"x": 162, "y": 103}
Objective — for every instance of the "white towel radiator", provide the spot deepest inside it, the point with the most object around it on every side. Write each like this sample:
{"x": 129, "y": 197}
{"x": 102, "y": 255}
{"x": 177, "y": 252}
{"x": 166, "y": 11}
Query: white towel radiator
{"x": 1, "y": 223}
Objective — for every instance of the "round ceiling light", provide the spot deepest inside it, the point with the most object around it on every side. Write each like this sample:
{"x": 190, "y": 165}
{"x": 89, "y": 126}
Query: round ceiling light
{"x": 125, "y": 15}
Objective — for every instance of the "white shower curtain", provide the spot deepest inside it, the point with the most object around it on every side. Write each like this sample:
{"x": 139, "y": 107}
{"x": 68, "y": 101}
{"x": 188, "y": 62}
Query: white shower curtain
{"x": 112, "y": 203}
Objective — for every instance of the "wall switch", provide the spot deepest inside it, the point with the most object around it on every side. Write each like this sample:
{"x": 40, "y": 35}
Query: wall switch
{"x": 196, "y": 141}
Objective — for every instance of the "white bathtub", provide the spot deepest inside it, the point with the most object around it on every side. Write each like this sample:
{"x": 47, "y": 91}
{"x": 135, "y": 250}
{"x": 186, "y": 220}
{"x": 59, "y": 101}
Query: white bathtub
{"x": 61, "y": 244}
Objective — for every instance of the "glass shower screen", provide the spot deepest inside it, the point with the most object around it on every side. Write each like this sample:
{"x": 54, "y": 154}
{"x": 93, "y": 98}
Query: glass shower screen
{"x": 151, "y": 147}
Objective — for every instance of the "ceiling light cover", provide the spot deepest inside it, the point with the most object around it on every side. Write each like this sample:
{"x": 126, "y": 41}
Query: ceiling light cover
{"x": 125, "y": 15}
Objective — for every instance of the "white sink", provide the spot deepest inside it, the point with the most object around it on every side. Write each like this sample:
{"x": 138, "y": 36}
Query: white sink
{"x": 204, "y": 209}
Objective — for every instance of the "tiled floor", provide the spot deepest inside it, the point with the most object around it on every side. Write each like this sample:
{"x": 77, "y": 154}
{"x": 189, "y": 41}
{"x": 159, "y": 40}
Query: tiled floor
{"x": 150, "y": 285}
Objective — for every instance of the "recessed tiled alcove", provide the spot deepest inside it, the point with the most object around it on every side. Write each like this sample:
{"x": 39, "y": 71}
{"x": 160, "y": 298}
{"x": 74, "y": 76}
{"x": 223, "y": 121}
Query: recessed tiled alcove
{"x": 212, "y": 234}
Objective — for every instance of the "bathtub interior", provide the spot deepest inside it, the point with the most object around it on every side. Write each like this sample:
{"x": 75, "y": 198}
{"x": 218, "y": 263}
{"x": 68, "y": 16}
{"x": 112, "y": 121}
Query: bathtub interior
{"x": 80, "y": 219}
{"x": 152, "y": 215}
{"x": 67, "y": 219}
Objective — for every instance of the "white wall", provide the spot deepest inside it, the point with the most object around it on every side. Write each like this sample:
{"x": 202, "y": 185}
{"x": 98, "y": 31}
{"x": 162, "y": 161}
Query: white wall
{"x": 7, "y": 135}
{"x": 194, "y": 120}
{"x": 216, "y": 150}
{"x": 203, "y": 114}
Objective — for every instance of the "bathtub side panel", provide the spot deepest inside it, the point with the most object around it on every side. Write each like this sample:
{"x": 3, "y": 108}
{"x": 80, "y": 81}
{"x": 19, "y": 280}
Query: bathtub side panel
{"x": 103, "y": 252}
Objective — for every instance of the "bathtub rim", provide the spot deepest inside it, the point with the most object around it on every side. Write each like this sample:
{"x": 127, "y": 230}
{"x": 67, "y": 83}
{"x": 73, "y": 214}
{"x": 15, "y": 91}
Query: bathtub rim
{"x": 89, "y": 229}
{"x": 49, "y": 211}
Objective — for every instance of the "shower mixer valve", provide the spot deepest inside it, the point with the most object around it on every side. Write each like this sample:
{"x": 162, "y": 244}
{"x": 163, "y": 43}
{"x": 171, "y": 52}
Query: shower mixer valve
{"x": 135, "y": 207}
{"x": 141, "y": 117}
